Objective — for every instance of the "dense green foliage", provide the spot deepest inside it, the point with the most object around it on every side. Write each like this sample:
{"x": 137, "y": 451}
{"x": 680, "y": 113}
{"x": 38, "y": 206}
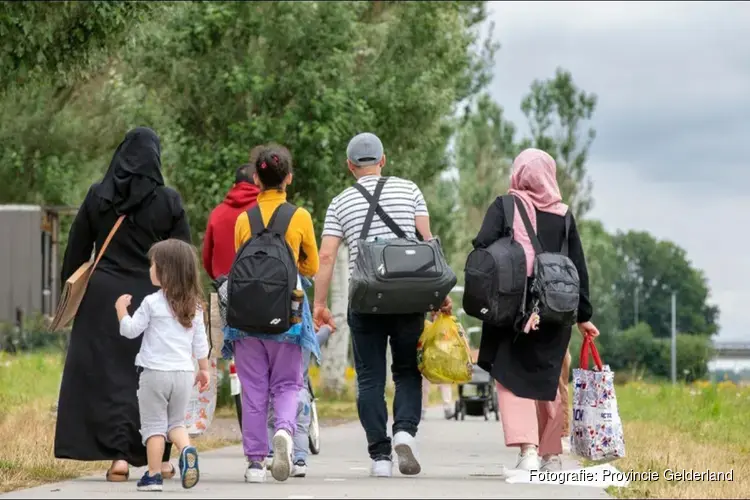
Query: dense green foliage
{"x": 241, "y": 74}
{"x": 61, "y": 42}
{"x": 215, "y": 79}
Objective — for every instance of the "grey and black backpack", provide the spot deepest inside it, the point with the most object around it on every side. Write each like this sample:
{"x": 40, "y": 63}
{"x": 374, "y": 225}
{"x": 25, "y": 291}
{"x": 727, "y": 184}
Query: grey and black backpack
{"x": 263, "y": 276}
{"x": 555, "y": 285}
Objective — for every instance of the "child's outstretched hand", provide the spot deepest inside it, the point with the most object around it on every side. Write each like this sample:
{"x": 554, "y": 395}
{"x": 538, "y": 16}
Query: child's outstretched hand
{"x": 202, "y": 379}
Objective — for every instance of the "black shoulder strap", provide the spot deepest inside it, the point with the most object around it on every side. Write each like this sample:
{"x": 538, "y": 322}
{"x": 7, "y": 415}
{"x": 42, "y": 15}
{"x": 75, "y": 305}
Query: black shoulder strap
{"x": 568, "y": 217}
{"x": 376, "y": 208}
{"x": 281, "y": 218}
{"x": 508, "y": 213}
{"x": 529, "y": 229}
{"x": 256, "y": 220}
{"x": 371, "y": 211}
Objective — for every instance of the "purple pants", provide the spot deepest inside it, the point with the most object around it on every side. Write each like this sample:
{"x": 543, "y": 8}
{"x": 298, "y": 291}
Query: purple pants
{"x": 267, "y": 367}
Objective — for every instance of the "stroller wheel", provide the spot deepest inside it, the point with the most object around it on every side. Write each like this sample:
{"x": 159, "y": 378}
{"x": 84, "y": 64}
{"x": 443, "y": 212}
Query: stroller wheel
{"x": 486, "y": 412}
{"x": 457, "y": 410}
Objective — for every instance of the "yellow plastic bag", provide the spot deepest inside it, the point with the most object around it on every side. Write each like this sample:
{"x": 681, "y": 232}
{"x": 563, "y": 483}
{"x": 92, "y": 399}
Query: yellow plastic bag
{"x": 443, "y": 353}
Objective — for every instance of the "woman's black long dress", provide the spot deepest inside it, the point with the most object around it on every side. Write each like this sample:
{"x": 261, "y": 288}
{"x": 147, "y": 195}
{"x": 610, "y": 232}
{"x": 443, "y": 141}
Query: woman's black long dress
{"x": 98, "y": 415}
{"x": 529, "y": 365}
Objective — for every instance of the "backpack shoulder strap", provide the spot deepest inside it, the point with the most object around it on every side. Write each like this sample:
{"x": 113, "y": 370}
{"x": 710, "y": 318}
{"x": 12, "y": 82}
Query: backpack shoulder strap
{"x": 256, "y": 220}
{"x": 509, "y": 212}
{"x": 376, "y": 208}
{"x": 529, "y": 228}
{"x": 281, "y": 218}
{"x": 568, "y": 218}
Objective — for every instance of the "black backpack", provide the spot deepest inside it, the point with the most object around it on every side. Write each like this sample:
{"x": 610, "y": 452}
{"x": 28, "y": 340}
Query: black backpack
{"x": 555, "y": 287}
{"x": 263, "y": 276}
{"x": 495, "y": 277}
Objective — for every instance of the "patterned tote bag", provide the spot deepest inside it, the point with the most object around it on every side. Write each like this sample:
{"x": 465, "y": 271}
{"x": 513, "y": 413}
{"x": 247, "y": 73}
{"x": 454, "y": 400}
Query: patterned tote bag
{"x": 596, "y": 428}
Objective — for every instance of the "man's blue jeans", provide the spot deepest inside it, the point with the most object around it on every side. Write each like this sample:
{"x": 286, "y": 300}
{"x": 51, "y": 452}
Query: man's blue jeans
{"x": 370, "y": 336}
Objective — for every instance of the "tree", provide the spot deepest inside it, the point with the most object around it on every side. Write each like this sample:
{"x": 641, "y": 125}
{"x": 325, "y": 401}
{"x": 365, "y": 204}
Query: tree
{"x": 235, "y": 79}
{"x": 484, "y": 155}
{"x": 60, "y": 118}
{"x": 335, "y": 354}
{"x": 445, "y": 218}
{"x": 60, "y": 42}
{"x": 556, "y": 110}
{"x": 654, "y": 269}
{"x": 605, "y": 267}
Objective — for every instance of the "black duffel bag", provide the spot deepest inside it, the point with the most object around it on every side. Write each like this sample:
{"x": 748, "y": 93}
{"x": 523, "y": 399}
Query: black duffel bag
{"x": 397, "y": 276}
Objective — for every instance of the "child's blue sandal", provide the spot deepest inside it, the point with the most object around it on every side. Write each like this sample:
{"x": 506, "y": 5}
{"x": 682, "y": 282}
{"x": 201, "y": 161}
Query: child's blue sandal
{"x": 189, "y": 467}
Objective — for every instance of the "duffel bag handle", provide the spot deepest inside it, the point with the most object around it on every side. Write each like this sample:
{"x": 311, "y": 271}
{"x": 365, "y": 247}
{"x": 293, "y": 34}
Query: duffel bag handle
{"x": 588, "y": 347}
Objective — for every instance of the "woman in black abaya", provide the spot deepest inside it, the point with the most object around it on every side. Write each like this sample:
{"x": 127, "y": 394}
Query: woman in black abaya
{"x": 98, "y": 411}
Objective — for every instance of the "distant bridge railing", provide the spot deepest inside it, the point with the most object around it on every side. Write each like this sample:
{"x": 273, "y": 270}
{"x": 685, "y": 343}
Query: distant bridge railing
{"x": 732, "y": 349}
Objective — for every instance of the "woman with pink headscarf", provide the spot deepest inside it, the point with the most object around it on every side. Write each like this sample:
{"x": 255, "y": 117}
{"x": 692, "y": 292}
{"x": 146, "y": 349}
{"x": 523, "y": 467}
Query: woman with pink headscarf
{"x": 527, "y": 366}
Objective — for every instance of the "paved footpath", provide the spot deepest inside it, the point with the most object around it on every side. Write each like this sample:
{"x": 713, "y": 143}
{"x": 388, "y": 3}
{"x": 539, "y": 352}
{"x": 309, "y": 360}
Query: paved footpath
{"x": 460, "y": 459}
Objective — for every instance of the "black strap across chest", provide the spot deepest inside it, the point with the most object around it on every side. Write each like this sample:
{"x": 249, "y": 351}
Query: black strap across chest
{"x": 538, "y": 248}
{"x": 375, "y": 207}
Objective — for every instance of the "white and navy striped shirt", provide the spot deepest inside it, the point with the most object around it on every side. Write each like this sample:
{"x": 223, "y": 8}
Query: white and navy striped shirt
{"x": 401, "y": 199}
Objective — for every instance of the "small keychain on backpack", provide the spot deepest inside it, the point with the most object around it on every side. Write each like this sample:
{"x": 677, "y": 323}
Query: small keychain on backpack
{"x": 533, "y": 322}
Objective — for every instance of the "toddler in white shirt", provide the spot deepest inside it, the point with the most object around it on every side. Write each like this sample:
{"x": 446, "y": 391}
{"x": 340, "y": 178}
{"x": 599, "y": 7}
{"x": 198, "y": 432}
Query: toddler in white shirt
{"x": 172, "y": 323}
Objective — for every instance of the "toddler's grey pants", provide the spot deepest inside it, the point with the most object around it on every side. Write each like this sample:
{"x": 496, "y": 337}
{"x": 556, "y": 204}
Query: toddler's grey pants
{"x": 163, "y": 398}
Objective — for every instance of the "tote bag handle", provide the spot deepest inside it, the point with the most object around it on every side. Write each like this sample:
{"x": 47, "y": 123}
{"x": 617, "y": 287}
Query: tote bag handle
{"x": 588, "y": 347}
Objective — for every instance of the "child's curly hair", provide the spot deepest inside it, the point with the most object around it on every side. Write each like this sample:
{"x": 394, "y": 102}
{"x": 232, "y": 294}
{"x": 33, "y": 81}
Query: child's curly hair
{"x": 273, "y": 165}
{"x": 177, "y": 270}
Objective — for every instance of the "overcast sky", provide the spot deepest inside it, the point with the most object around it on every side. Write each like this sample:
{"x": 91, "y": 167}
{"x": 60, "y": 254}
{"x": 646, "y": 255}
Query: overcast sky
{"x": 672, "y": 153}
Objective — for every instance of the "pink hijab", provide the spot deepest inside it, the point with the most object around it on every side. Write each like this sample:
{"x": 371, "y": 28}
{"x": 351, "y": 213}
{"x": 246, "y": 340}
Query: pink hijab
{"x": 534, "y": 182}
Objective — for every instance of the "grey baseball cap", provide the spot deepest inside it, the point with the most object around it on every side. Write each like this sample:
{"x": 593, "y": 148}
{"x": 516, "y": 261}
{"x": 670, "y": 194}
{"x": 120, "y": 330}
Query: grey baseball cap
{"x": 364, "y": 150}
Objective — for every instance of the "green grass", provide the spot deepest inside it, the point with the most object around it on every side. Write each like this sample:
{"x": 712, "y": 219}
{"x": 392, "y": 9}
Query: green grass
{"x": 27, "y": 378}
{"x": 698, "y": 427}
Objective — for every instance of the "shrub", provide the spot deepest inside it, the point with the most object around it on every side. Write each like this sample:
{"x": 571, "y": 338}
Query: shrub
{"x": 635, "y": 353}
{"x": 33, "y": 335}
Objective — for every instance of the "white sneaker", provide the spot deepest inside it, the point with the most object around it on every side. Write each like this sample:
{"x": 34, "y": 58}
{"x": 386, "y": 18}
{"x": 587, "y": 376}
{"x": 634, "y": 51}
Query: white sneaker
{"x": 281, "y": 466}
{"x": 299, "y": 469}
{"x": 551, "y": 463}
{"x": 405, "y": 446}
{"x": 268, "y": 461}
{"x": 528, "y": 460}
{"x": 381, "y": 468}
{"x": 255, "y": 473}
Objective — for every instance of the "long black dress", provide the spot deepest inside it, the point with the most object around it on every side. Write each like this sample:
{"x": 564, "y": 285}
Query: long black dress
{"x": 98, "y": 410}
{"x": 529, "y": 365}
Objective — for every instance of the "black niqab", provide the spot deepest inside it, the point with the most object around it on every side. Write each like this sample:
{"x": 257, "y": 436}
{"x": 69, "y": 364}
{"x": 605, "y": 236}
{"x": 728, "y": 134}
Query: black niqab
{"x": 134, "y": 172}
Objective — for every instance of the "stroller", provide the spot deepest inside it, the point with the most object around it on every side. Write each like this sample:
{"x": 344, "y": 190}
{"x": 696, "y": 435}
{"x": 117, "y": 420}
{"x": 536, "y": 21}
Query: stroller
{"x": 478, "y": 397}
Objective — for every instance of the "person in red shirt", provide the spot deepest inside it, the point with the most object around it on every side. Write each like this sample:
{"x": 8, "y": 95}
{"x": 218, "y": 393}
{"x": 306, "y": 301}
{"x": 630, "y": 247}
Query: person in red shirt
{"x": 218, "y": 243}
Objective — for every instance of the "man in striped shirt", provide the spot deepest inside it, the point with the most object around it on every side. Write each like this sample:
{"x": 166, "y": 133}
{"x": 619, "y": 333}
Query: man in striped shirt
{"x": 402, "y": 200}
